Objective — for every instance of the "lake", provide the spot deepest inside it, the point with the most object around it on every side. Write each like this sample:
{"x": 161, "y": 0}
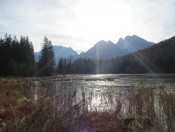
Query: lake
{"x": 139, "y": 102}
{"x": 98, "y": 86}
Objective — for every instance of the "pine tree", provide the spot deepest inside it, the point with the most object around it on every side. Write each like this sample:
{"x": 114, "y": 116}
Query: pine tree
{"x": 16, "y": 57}
{"x": 46, "y": 64}
{"x": 60, "y": 66}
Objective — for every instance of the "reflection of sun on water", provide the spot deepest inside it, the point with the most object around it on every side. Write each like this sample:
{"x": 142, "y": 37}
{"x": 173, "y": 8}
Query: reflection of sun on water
{"x": 96, "y": 101}
{"x": 99, "y": 98}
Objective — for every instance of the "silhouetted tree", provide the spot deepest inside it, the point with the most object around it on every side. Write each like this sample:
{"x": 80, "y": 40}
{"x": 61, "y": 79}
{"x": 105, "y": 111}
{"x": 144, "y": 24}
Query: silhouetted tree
{"x": 159, "y": 58}
{"x": 16, "y": 57}
{"x": 46, "y": 64}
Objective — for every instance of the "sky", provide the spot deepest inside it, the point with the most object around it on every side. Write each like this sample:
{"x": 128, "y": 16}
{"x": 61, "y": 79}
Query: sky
{"x": 81, "y": 23}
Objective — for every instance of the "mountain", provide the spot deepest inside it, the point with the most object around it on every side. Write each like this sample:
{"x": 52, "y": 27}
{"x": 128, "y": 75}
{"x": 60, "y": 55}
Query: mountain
{"x": 159, "y": 58}
{"x": 59, "y": 52}
{"x": 101, "y": 50}
{"x": 104, "y": 50}
{"x": 107, "y": 49}
{"x": 133, "y": 43}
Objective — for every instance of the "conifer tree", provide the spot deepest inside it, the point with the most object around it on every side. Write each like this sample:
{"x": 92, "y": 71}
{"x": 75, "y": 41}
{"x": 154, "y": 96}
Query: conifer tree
{"x": 46, "y": 64}
{"x": 16, "y": 57}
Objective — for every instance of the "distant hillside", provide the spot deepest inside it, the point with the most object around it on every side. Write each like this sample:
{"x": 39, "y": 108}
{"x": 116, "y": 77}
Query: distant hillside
{"x": 101, "y": 50}
{"x": 106, "y": 49}
{"x": 59, "y": 52}
{"x": 157, "y": 58}
{"x": 132, "y": 43}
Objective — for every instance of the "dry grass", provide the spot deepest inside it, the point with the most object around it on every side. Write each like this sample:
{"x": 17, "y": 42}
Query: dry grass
{"x": 151, "y": 108}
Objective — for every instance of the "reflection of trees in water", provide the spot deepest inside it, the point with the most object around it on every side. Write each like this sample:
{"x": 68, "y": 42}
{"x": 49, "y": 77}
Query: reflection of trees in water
{"x": 72, "y": 106}
{"x": 143, "y": 108}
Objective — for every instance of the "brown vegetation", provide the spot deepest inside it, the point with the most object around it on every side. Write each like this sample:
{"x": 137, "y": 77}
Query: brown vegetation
{"x": 150, "y": 108}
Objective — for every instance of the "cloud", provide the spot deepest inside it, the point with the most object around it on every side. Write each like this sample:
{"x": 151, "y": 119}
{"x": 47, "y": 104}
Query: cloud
{"x": 37, "y": 13}
{"x": 155, "y": 18}
{"x": 81, "y": 23}
{"x": 36, "y": 18}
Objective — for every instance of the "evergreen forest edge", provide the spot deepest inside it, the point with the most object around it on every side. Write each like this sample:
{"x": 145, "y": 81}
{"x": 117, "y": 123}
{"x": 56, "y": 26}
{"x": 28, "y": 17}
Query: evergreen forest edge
{"x": 17, "y": 59}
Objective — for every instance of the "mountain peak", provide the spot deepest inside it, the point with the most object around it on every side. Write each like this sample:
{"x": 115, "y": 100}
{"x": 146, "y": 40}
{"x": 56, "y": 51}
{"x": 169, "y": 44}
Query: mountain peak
{"x": 120, "y": 40}
{"x": 59, "y": 52}
{"x": 104, "y": 49}
{"x": 134, "y": 38}
{"x": 103, "y": 43}
{"x": 133, "y": 43}
{"x": 110, "y": 42}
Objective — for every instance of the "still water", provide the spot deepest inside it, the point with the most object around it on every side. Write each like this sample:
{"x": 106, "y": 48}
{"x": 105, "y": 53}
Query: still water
{"x": 100, "y": 91}
{"x": 132, "y": 96}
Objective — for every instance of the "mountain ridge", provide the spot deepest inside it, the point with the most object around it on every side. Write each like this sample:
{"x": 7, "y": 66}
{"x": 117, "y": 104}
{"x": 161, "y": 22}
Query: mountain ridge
{"x": 60, "y": 52}
{"x": 103, "y": 49}
{"x": 124, "y": 46}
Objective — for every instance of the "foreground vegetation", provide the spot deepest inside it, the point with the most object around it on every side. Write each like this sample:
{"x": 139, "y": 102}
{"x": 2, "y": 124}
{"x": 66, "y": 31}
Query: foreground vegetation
{"x": 63, "y": 108}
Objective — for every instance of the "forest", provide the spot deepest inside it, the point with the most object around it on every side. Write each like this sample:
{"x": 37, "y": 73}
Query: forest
{"x": 17, "y": 59}
{"x": 159, "y": 58}
{"x": 16, "y": 56}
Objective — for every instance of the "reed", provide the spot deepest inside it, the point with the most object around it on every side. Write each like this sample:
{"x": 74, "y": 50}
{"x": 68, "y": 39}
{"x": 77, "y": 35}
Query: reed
{"x": 64, "y": 109}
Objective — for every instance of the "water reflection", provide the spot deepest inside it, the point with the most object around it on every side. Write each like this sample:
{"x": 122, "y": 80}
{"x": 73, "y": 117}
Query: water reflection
{"x": 99, "y": 91}
{"x": 148, "y": 101}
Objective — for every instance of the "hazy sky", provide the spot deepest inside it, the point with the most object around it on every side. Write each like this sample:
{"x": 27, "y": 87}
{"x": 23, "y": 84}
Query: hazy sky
{"x": 81, "y": 23}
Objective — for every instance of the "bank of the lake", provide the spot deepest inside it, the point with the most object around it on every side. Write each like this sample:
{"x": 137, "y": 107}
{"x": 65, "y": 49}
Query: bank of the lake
{"x": 103, "y": 102}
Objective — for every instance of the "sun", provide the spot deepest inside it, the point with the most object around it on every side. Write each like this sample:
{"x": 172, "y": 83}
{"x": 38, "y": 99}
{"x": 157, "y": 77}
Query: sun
{"x": 101, "y": 19}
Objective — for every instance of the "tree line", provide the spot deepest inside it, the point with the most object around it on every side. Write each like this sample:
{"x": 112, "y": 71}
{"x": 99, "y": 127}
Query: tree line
{"x": 17, "y": 59}
{"x": 16, "y": 56}
{"x": 159, "y": 58}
